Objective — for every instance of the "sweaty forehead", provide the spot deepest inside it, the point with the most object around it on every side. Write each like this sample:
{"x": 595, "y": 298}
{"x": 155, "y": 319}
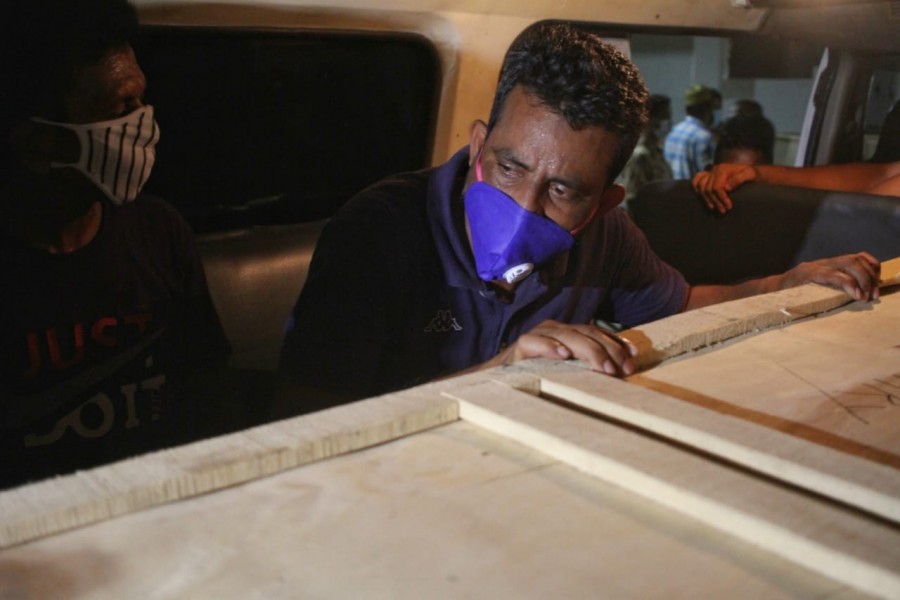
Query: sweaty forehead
{"x": 101, "y": 89}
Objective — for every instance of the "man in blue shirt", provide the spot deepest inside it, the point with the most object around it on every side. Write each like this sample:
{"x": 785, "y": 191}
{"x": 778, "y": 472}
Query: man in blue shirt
{"x": 511, "y": 250}
{"x": 690, "y": 145}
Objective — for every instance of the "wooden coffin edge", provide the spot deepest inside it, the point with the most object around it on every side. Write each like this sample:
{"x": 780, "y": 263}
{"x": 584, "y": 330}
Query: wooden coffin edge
{"x": 55, "y": 505}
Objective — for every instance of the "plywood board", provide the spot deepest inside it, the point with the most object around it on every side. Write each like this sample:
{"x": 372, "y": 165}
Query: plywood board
{"x": 832, "y": 380}
{"x": 858, "y": 550}
{"x": 55, "y": 505}
{"x": 814, "y": 531}
{"x": 846, "y": 478}
{"x": 454, "y": 512}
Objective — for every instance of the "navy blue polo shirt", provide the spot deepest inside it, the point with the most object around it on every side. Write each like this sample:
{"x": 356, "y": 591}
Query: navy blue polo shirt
{"x": 393, "y": 300}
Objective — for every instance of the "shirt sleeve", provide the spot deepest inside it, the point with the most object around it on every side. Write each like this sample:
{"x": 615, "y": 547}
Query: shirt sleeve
{"x": 337, "y": 331}
{"x": 646, "y": 288}
{"x": 703, "y": 152}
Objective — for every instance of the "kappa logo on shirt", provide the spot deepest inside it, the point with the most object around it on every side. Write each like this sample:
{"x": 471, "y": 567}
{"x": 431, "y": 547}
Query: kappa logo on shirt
{"x": 443, "y": 322}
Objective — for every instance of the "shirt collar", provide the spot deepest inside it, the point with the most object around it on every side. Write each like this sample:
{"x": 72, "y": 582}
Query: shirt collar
{"x": 695, "y": 121}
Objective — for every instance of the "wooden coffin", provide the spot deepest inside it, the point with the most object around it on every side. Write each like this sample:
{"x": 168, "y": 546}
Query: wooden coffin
{"x": 756, "y": 455}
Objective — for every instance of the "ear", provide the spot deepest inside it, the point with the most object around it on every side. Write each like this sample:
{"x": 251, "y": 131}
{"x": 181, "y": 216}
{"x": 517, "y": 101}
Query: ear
{"x": 477, "y": 136}
{"x": 611, "y": 198}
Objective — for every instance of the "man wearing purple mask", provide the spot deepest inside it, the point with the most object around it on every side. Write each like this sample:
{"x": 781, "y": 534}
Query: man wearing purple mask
{"x": 105, "y": 317}
{"x": 513, "y": 249}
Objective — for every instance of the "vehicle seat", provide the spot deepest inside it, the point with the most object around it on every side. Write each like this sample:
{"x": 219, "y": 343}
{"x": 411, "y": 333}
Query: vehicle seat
{"x": 255, "y": 275}
{"x": 770, "y": 229}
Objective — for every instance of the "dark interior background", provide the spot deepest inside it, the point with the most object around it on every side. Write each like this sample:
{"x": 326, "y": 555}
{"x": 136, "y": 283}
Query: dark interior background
{"x": 270, "y": 126}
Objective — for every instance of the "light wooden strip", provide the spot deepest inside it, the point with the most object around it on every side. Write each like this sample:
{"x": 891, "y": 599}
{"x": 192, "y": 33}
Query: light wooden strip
{"x": 706, "y": 326}
{"x": 675, "y": 335}
{"x": 827, "y": 538}
{"x": 55, "y": 505}
{"x": 861, "y": 483}
{"x": 890, "y": 273}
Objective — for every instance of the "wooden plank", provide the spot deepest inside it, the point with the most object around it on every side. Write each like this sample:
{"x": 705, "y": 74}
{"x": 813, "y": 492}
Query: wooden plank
{"x": 890, "y": 273}
{"x": 843, "y": 544}
{"x": 846, "y": 478}
{"x": 703, "y": 327}
{"x": 55, "y": 505}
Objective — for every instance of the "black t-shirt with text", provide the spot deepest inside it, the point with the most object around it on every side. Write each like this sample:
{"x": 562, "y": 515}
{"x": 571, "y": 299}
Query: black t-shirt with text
{"x": 99, "y": 347}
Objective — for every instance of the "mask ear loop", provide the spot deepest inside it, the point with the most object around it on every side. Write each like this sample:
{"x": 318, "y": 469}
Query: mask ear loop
{"x": 478, "y": 174}
{"x": 586, "y": 222}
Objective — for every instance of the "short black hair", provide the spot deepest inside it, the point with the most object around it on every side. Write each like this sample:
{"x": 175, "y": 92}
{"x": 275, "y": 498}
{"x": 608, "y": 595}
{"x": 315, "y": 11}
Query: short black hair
{"x": 658, "y": 105}
{"x": 44, "y": 43}
{"x": 573, "y": 72}
{"x": 747, "y": 132}
{"x": 746, "y": 106}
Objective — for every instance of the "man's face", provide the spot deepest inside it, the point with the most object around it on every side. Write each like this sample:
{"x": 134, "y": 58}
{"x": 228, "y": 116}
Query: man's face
{"x": 664, "y": 116}
{"x": 534, "y": 156}
{"x": 111, "y": 88}
{"x": 108, "y": 89}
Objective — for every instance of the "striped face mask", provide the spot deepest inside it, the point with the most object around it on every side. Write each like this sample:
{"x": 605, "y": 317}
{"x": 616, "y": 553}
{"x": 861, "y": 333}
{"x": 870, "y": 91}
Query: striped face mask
{"x": 116, "y": 155}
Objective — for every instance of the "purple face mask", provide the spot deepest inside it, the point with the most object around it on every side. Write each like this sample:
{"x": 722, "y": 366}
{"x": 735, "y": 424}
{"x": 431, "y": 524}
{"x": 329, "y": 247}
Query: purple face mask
{"x": 507, "y": 240}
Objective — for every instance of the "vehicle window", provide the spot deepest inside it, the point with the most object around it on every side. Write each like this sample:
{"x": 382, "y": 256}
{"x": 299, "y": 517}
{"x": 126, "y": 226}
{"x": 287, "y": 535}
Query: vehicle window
{"x": 271, "y": 126}
{"x": 740, "y": 67}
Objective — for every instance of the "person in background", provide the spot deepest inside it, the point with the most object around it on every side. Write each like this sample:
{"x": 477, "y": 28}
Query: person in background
{"x": 647, "y": 163}
{"x": 716, "y": 184}
{"x": 512, "y": 249}
{"x": 106, "y": 323}
{"x": 689, "y": 146}
{"x": 888, "y": 148}
{"x": 746, "y": 139}
{"x": 746, "y": 107}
